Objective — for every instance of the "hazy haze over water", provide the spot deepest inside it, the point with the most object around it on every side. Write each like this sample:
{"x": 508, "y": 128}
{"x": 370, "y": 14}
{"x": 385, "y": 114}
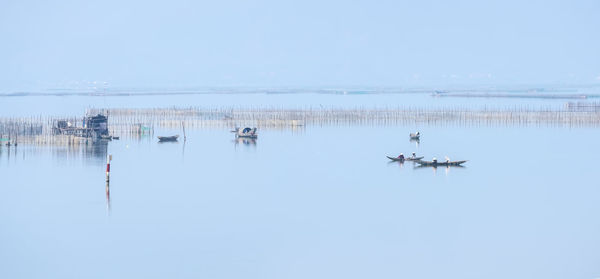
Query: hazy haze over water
{"x": 71, "y": 44}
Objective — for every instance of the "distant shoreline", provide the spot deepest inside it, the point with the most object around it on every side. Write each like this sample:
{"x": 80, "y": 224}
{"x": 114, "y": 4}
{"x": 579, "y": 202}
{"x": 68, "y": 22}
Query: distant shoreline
{"x": 465, "y": 93}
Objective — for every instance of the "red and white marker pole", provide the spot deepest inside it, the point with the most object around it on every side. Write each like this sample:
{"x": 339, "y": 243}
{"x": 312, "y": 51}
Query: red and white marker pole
{"x": 108, "y": 159}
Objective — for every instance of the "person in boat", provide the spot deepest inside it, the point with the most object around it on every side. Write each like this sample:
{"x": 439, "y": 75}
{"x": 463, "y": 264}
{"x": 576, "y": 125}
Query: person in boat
{"x": 401, "y": 156}
{"x": 434, "y": 160}
{"x": 414, "y": 155}
{"x": 418, "y": 134}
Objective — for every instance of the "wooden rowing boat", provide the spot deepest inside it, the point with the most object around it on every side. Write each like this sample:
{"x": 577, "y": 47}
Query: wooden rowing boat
{"x": 396, "y": 159}
{"x": 245, "y": 133}
{"x": 171, "y": 138}
{"x": 442, "y": 163}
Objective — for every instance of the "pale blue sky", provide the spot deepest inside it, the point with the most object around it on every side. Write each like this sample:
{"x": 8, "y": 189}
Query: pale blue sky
{"x": 179, "y": 43}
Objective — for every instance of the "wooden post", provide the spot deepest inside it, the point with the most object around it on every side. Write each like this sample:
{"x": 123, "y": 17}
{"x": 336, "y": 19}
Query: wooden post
{"x": 108, "y": 159}
{"x": 183, "y": 126}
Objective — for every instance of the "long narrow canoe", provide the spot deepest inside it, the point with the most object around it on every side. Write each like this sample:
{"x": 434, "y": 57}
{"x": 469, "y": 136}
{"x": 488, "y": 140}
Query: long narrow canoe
{"x": 440, "y": 163}
{"x": 171, "y": 138}
{"x": 405, "y": 158}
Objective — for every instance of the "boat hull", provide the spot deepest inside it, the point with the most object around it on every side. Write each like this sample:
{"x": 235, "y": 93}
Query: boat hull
{"x": 166, "y": 139}
{"x": 396, "y": 159}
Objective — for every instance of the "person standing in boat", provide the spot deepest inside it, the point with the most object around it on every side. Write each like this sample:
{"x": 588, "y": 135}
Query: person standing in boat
{"x": 414, "y": 155}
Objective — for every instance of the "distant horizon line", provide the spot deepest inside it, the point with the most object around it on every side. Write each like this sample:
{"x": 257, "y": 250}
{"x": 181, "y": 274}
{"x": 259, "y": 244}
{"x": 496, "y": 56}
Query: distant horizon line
{"x": 220, "y": 88}
{"x": 341, "y": 90}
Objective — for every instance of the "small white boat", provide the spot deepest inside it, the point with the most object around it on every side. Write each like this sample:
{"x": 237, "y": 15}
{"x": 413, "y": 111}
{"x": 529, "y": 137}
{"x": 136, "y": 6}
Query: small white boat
{"x": 415, "y": 136}
{"x": 245, "y": 133}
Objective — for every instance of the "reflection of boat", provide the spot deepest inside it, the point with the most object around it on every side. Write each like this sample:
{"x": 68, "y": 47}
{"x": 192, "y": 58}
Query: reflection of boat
{"x": 436, "y": 163}
{"x": 417, "y": 141}
{"x": 436, "y": 166}
{"x": 245, "y": 133}
{"x": 405, "y": 158}
{"x": 245, "y": 141}
{"x": 171, "y": 138}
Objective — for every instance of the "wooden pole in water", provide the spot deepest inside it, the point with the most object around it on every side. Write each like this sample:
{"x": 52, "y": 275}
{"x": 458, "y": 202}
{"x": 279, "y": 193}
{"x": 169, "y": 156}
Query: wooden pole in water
{"x": 107, "y": 196}
{"x": 183, "y": 126}
{"x": 108, "y": 159}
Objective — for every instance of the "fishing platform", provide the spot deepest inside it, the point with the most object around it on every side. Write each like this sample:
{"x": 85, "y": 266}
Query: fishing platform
{"x": 94, "y": 127}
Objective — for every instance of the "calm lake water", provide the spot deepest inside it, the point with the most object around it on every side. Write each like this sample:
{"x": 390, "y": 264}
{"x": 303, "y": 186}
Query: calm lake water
{"x": 320, "y": 202}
